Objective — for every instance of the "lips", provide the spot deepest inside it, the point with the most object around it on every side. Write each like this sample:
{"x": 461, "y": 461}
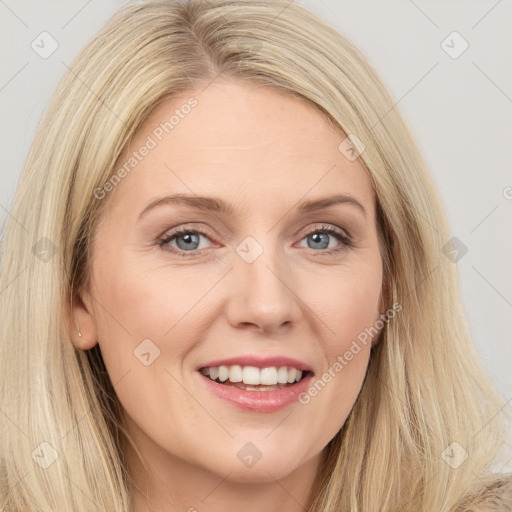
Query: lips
{"x": 255, "y": 400}
{"x": 252, "y": 383}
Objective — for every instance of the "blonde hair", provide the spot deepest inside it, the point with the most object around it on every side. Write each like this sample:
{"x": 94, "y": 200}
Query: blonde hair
{"x": 424, "y": 388}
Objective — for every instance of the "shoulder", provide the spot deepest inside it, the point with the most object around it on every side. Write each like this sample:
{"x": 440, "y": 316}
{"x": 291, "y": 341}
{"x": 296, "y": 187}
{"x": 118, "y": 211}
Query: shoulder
{"x": 493, "y": 495}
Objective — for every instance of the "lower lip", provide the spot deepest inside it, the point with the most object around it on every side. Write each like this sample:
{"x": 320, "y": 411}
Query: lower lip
{"x": 260, "y": 401}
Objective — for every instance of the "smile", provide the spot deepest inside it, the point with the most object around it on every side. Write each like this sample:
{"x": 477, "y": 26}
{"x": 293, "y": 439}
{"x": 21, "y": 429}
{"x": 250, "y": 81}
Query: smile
{"x": 252, "y": 378}
{"x": 251, "y": 394}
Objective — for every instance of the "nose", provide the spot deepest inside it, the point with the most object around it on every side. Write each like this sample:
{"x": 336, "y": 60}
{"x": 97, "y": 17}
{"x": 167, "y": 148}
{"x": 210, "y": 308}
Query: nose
{"x": 264, "y": 294}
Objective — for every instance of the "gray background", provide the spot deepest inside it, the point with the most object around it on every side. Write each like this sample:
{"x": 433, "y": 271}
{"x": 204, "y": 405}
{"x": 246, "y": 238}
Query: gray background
{"x": 459, "y": 109}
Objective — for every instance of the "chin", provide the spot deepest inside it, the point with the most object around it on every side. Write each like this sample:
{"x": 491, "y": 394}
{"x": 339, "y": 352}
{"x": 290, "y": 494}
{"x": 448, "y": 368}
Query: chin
{"x": 276, "y": 465}
{"x": 258, "y": 474}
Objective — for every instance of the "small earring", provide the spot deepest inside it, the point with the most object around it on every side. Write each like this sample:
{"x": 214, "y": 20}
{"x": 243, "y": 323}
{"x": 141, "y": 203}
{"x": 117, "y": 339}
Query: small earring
{"x": 79, "y": 333}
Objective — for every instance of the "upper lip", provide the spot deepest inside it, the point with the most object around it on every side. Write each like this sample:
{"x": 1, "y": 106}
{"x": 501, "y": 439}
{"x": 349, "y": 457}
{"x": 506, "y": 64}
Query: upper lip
{"x": 259, "y": 362}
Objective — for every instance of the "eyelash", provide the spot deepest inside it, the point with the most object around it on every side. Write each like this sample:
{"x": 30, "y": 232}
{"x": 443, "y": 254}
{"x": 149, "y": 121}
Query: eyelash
{"x": 344, "y": 238}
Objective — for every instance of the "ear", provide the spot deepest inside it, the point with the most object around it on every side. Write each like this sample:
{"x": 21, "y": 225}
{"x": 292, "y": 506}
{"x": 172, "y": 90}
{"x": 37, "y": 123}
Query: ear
{"x": 82, "y": 325}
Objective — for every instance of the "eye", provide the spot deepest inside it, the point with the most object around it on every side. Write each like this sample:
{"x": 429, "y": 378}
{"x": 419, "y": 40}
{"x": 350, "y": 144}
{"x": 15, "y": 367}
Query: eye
{"x": 183, "y": 240}
{"x": 186, "y": 241}
{"x": 321, "y": 238}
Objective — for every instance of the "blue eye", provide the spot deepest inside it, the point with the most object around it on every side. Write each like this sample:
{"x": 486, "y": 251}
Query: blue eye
{"x": 320, "y": 239}
{"x": 186, "y": 242}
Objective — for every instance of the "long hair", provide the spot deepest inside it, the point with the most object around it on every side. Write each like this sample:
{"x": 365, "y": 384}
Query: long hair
{"x": 425, "y": 398}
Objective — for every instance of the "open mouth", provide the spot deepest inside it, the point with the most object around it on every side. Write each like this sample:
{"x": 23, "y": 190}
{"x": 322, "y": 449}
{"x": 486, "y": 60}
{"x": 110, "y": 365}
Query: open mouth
{"x": 251, "y": 378}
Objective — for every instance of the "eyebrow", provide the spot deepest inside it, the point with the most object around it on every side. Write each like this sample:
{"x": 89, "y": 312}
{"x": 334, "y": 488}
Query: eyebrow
{"x": 213, "y": 204}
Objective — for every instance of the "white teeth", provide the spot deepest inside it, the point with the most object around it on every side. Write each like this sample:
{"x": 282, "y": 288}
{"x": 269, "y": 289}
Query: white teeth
{"x": 235, "y": 373}
{"x": 253, "y": 376}
{"x": 282, "y": 375}
{"x": 223, "y": 373}
{"x": 268, "y": 376}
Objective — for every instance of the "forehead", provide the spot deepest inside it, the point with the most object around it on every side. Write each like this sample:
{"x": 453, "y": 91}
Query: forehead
{"x": 244, "y": 142}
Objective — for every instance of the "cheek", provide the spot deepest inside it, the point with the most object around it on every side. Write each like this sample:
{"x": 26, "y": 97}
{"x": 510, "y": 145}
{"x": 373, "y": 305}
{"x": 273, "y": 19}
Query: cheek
{"x": 347, "y": 302}
{"x": 136, "y": 302}
{"x": 349, "y": 308}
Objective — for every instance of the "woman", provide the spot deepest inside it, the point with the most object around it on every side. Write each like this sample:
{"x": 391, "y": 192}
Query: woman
{"x": 224, "y": 287}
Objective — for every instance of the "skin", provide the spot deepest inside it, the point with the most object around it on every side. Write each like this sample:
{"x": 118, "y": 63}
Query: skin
{"x": 265, "y": 152}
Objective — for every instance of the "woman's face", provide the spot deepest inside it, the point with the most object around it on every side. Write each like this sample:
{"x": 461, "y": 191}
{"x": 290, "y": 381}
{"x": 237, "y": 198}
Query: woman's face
{"x": 249, "y": 269}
